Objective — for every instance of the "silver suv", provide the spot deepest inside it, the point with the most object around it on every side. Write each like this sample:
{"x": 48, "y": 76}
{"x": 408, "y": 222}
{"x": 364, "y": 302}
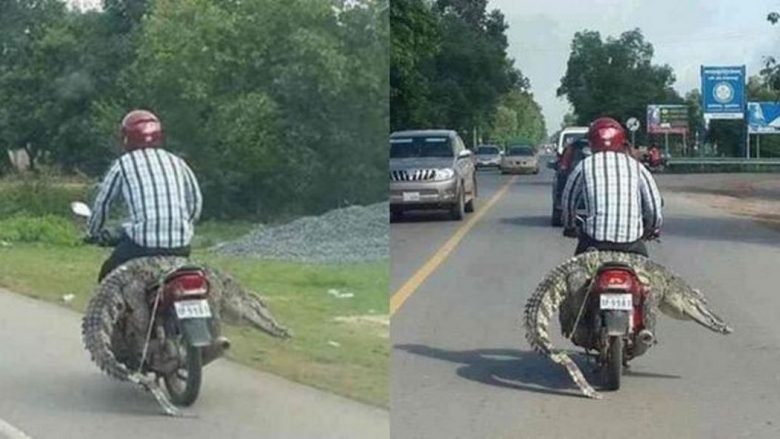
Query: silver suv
{"x": 431, "y": 169}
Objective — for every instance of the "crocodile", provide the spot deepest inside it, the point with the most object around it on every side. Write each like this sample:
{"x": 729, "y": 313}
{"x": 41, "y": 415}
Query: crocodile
{"x": 117, "y": 315}
{"x": 670, "y": 295}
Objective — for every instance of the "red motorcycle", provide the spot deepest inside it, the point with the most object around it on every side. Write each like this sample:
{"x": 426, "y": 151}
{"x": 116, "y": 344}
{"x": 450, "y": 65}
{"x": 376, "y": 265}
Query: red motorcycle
{"x": 177, "y": 341}
{"x": 612, "y": 320}
{"x": 614, "y": 313}
{"x": 654, "y": 160}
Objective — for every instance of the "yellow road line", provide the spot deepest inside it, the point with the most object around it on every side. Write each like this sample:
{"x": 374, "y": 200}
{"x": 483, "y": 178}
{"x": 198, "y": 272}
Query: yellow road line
{"x": 410, "y": 286}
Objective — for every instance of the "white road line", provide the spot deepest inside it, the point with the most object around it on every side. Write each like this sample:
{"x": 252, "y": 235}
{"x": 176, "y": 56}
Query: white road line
{"x": 11, "y": 432}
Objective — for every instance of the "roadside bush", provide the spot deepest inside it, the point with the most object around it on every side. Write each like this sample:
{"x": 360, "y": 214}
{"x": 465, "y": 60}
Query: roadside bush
{"x": 39, "y": 196}
{"x": 46, "y": 229}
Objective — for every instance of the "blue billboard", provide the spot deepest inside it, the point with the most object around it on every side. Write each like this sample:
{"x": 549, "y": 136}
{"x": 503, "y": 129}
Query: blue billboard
{"x": 723, "y": 92}
{"x": 763, "y": 117}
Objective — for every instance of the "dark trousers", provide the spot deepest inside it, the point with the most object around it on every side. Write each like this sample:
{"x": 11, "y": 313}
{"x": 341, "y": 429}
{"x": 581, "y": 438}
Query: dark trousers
{"x": 127, "y": 250}
{"x": 586, "y": 242}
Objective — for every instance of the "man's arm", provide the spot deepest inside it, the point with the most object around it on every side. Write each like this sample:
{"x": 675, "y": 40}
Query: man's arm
{"x": 109, "y": 188}
{"x": 651, "y": 199}
{"x": 192, "y": 193}
{"x": 572, "y": 193}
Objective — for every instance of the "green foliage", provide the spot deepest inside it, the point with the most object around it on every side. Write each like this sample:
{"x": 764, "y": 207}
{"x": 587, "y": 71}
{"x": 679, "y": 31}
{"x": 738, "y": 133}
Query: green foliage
{"x": 615, "y": 77}
{"x": 279, "y": 106}
{"x": 46, "y": 229}
{"x": 39, "y": 196}
{"x": 771, "y": 71}
{"x": 449, "y": 68}
{"x": 518, "y": 116}
{"x": 296, "y": 294}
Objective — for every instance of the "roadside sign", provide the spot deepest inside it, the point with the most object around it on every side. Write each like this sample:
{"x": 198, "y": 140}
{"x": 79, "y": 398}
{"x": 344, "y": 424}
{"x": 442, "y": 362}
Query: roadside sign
{"x": 763, "y": 117}
{"x": 667, "y": 119}
{"x": 723, "y": 92}
{"x": 632, "y": 124}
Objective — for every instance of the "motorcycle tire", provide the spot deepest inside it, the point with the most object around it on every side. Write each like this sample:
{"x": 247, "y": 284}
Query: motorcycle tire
{"x": 184, "y": 390}
{"x": 614, "y": 367}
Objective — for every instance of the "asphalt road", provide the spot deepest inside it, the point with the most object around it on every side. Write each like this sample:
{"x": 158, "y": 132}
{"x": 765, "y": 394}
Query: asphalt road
{"x": 461, "y": 367}
{"x": 50, "y": 389}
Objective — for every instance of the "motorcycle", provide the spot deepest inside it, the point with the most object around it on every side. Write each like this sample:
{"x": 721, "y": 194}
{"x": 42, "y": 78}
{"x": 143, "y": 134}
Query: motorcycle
{"x": 180, "y": 337}
{"x": 612, "y": 320}
{"x": 654, "y": 162}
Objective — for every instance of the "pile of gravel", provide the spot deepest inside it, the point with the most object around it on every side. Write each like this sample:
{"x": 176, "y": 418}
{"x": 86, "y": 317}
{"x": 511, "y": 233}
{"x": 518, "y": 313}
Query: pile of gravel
{"x": 352, "y": 234}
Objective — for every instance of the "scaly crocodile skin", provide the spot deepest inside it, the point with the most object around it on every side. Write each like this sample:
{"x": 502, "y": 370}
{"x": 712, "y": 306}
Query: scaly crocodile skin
{"x": 117, "y": 315}
{"x": 670, "y": 293}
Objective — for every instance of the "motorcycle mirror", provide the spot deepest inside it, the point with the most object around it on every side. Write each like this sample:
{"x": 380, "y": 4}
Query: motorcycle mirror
{"x": 80, "y": 209}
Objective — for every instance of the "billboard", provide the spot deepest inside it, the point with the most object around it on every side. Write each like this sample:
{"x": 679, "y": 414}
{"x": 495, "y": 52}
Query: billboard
{"x": 723, "y": 92}
{"x": 672, "y": 119}
{"x": 763, "y": 117}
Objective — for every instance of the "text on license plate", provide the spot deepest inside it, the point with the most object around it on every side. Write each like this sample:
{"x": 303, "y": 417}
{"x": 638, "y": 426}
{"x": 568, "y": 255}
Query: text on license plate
{"x": 616, "y": 301}
{"x": 192, "y": 309}
{"x": 411, "y": 196}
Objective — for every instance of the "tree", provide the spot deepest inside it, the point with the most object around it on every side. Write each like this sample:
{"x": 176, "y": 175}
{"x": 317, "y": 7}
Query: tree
{"x": 33, "y": 74}
{"x": 771, "y": 71}
{"x": 614, "y": 78}
{"x": 518, "y": 117}
{"x": 268, "y": 99}
{"x": 569, "y": 119}
{"x": 449, "y": 66}
{"x": 281, "y": 107}
{"x": 414, "y": 43}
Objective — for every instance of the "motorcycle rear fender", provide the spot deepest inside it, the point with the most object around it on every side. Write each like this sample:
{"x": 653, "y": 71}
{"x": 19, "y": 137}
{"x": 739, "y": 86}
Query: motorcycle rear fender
{"x": 616, "y": 322}
{"x": 196, "y": 331}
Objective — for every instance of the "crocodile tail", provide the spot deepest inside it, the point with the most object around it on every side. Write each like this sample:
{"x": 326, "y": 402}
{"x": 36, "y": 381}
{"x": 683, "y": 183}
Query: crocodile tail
{"x": 539, "y": 309}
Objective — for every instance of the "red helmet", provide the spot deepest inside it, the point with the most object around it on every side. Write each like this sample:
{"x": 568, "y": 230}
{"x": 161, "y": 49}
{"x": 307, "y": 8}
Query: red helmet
{"x": 141, "y": 129}
{"x": 606, "y": 134}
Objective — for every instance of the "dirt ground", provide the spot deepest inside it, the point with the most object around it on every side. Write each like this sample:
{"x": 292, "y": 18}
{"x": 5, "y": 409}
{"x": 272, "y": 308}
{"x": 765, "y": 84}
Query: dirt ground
{"x": 752, "y": 195}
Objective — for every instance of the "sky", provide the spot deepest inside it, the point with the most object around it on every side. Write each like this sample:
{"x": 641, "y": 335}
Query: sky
{"x": 684, "y": 33}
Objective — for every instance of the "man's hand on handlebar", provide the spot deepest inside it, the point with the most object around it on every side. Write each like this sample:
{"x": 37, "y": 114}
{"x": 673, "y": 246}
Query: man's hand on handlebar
{"x": 652, "y": 235}
{"x": 105, "y": 238}
{"x": 570, "y": 232}
{"x": 89, "y": 239}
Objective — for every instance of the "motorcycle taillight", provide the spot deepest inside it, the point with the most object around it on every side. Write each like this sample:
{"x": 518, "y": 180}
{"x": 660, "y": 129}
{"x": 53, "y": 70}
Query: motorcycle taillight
{"x": 617, "y": 280}
{"x": 190, "y": 284}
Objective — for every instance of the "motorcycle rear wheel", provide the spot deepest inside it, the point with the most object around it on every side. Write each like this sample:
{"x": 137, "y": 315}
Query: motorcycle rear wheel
{"x": 183, "y": 384}
{"x": 614, "y": 367}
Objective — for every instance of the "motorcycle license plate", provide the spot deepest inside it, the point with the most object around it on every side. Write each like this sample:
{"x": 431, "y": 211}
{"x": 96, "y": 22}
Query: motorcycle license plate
{"x": 622, "y": 302}
{"x": 192, "y": 309}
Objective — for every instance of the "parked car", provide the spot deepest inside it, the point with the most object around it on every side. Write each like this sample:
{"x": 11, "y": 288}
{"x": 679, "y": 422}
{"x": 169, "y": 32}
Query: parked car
{"x": 431, "y": 169}
{"x": 520, "y": 158}
{"x": 488, "y": 156}
{"x": 572, "y": 154}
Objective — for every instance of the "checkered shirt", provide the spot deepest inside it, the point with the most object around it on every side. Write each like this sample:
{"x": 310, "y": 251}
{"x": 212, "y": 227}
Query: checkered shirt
{"x": 620, "y": 197}
{"x": 161, "y": 193}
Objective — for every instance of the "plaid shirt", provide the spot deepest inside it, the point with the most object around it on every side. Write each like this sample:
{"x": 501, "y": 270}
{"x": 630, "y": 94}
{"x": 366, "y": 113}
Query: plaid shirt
{"x": 161, "y": 193}
{"x": 620, "y": 196}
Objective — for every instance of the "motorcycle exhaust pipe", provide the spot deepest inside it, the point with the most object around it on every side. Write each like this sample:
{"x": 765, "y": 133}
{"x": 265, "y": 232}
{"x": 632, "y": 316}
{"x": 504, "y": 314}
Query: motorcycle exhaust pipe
{"x": 646, "y": 337}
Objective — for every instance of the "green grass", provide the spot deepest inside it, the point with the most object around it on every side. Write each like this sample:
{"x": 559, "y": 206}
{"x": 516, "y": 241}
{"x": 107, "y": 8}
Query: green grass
{"x": 297, "y": 296}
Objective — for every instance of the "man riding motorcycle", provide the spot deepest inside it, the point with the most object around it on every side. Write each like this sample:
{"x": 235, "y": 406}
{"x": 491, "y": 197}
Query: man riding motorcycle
{"x": 159, "y": 189}
{"x": 621, "y": 198}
